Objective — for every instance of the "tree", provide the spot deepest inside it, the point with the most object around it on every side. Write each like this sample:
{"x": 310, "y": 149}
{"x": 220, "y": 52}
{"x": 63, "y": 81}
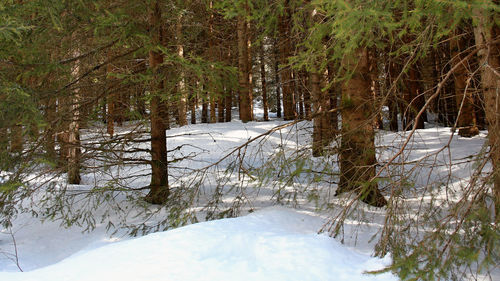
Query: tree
{"x": 486, "y": 31}
{"x": 243, "y": 65}
{"x": 265, "y": 104}
{"x": 159, "y": 189}
{"x": 357, "y": 155}
{"x": 286, "y": 78}
{"x": 463, "y": 89}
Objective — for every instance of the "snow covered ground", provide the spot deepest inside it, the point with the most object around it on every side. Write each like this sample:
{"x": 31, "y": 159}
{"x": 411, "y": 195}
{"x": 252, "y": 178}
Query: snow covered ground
{"x": 272, "y": 243}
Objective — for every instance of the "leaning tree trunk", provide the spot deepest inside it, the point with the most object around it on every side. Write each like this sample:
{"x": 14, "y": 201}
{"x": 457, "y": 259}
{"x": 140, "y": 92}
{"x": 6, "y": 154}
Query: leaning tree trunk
{"x": 489, "y": 61}
{"x": 159, "y": 190}
{"x": 357, "y": 155}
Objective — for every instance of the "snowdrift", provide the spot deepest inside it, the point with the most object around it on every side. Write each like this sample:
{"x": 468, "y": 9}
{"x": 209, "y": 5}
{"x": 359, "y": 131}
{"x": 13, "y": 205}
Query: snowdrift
{"x": 271, "y": 244}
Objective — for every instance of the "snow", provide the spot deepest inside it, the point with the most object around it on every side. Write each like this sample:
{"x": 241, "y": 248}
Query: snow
{"x": 272, "y": 244}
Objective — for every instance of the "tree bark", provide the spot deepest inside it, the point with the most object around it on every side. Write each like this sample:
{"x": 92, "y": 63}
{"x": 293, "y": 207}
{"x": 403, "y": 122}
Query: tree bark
{"x": 265, "y": 104}
{"x": 413, "y": 100}
{"x": 243, "y": 73}
{"x": 204, "y": 108}
{"x": 463, "y": 90}
{"x": 286, "y": 73}
{"x": 159, "y": 190}
{"x": 192, "y": 104}
{"x": 489, "y": 62}
{"x": 181, "y": 85}
{"x": 111, "y": 101}
{"x": 74, "y": 132}
{"x": 357, "y": 155}
{"x": 16, "y": 138}
{"x": 277, "y": 80}
{"x": 62, "y": 135}
{"x": 333, "y": 93}
{"x": 50, "y": 117}
{"x": 321, "y": 123}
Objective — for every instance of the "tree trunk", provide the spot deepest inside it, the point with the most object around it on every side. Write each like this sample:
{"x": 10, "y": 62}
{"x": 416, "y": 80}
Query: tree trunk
{"x": 321, "y": 122}
{"x": 16, "y": 139}
{"x": 74, "y": 133}
{"x": 181, "y": 85}
{"x": 357, "y": 155}
{"x": 489, "y": 61}
{"x": 463, "y": 90}
{"x": 265, "y": 104}
{"x": 393, "y": 70}
{"x": 333, "y": 93}
{"x": 111, "y": 101}
{"x": 50, "y": 117}
{"x": 159, "y": 190}
{"x": 301, "y": 90}
{"x": 243, "y": 74}
{"x": 204, "y": 108}
{"x": 413, "y": 100}
{"x": 63, "y": 110}
{"x": 286, "y": 73}
{"x": 193, "y": 101}
{"x": 277, "y": 81}
{"x": 229, "y": 106}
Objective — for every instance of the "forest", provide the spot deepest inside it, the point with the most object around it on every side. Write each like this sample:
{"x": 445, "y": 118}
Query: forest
{"x": 144, "y": 116}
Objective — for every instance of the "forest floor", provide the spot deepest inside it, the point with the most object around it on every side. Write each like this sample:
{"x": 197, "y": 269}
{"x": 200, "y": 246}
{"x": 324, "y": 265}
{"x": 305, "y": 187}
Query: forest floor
{"x": 266, "y": 242}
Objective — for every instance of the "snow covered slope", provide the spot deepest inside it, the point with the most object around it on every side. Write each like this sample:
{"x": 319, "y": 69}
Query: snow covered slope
{"x": 272, "y": 244}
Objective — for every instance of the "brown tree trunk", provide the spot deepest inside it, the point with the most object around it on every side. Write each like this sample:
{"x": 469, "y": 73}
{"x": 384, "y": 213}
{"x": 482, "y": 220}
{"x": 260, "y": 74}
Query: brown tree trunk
{"x": 193, "y": 101}
{"x": 393, "y": 70}
{"x": 63, "y": 110}
{"x": 181, "y": 85}
{"x": 50, "y": 117}
{"x": 277, "y": 80}
{"x": 4, "y": 141}
{"x": 159, "y": 190}
{"x": 300, "y": 91}
{"x": 265, "y": 104}
{"x": 111, "y": 102}
{"x": 463, "y": 90}
{"x": 204, "y": 108}
{"x": 243, "y": 73}
{"x": 229, "y": 93}
{"x": 286, "y": 73}
{"x": 413, "y": 100}
{"x": 74, "y": 133}
{"x": 213, "y": 116}
{"x": 306, "y": 93}
{"x": 16, "y": 138}
{"x": 229, "y": 106}
{"x": 249, "y": 34}
{"x": 333, "y": 93}
{"x": 489, "y": 61}
{"x": 321, "y": 123}
{"x": 357, "y": 155}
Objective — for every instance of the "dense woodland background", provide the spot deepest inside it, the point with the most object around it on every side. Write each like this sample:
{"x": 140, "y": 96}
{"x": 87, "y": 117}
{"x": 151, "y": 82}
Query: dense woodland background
{"x": 85, "y": 83}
